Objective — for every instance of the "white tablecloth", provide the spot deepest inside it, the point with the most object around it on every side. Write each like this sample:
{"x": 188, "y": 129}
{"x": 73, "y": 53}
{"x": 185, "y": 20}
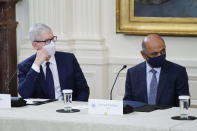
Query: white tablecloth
{"x": 188, "y": 125}
{"x": 45, "y": 118}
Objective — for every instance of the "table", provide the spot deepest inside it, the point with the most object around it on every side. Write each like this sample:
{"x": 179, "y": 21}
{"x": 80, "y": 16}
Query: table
{"x": 45, "y": 118}
{"x": 189, "y": 125}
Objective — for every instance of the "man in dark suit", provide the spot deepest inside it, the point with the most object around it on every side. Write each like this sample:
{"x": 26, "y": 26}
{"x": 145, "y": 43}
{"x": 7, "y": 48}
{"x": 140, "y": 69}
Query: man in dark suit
{"x": 48, "y": 72}
{"x": 156, "y": 81}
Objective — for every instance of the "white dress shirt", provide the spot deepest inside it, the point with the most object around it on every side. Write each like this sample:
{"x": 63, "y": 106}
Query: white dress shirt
{"x": 149, "y": 76}
{"x": 53, "y": 67}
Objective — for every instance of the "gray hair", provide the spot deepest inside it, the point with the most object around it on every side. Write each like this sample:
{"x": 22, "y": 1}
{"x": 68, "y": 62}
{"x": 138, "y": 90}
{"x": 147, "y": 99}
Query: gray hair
{"x": 36, "y": 30}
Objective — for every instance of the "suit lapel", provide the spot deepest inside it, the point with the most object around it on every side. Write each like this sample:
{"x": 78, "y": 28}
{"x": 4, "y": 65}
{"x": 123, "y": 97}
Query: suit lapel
{"x": 162, "y": 82}
{"x": 59, "y": 67}
{"x": 143, "y": 85}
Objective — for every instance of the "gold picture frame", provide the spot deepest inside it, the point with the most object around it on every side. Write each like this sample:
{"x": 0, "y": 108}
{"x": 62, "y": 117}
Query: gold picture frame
{"x": 127, "y": 23}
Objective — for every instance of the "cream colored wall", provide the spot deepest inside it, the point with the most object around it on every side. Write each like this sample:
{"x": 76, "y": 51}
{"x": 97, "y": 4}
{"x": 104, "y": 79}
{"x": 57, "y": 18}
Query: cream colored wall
{"x": 88, "y": 29}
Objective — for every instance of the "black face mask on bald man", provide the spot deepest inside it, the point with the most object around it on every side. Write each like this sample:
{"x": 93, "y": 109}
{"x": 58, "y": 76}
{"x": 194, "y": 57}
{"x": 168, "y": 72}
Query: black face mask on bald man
{"x": 156, "y": 61}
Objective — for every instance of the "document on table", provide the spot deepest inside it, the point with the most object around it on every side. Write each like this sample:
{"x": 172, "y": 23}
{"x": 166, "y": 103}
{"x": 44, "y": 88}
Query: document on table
{"x": 37, "y": 101}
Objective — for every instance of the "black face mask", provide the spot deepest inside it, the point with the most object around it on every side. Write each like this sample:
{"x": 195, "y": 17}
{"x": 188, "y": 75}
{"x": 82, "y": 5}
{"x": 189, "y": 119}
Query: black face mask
{"x": 157, "y": 61}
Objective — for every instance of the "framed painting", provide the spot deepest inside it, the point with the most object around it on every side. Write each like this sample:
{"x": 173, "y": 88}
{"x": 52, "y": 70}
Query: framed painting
{"x": 164, "y": 17}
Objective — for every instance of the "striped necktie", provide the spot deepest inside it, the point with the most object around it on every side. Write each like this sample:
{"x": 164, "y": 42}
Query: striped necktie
{"x": 153, "y": 89}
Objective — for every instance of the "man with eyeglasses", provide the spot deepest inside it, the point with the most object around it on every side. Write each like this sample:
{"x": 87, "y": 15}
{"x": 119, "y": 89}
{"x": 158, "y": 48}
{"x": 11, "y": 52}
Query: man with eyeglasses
{"x": 46, "y": 73}
{"x": 156, "y": 81}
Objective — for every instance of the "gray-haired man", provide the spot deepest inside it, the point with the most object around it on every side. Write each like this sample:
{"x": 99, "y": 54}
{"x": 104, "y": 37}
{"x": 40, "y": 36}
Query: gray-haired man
{"x": 46, "y": 73}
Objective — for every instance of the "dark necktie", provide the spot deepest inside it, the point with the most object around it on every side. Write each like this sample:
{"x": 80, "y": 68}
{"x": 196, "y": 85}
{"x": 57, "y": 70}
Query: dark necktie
{"x": 153, "y": 89}
{"x": 50, "y": 82}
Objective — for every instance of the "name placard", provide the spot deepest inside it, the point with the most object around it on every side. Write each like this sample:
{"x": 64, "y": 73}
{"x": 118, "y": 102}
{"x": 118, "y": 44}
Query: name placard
{"x": 5, "y": 101}
{"x": 106, "y": 107}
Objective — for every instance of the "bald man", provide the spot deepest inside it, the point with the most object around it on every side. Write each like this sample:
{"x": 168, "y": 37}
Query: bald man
{"x": 156, "y": 81}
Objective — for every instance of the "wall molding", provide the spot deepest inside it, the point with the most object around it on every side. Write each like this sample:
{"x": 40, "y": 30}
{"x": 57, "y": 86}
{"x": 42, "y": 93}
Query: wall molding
{"x": 128, "y": 60}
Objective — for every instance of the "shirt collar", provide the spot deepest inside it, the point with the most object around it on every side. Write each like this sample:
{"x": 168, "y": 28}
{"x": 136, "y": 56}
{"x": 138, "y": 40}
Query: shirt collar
{"x": 51, "y": 60}
{"x": 148, "y": 68}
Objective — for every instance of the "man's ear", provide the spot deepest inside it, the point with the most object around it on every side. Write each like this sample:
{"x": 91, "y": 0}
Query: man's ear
{"x": 144, "y": 55}
{"x": 35, "y": 46}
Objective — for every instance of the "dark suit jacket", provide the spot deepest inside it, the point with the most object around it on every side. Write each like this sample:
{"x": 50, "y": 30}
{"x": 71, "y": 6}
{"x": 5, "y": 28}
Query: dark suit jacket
{"x": 172, "y": 83}
{"x": 33, "y": 84}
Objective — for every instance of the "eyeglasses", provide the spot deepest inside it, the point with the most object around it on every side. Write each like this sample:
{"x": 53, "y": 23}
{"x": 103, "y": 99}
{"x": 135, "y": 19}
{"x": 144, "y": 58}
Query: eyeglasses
{"x": 48, "y": 41}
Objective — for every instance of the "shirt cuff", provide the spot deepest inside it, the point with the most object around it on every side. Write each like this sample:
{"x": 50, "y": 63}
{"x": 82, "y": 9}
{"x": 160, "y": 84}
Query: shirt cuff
{"x": 35, "y": 68}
